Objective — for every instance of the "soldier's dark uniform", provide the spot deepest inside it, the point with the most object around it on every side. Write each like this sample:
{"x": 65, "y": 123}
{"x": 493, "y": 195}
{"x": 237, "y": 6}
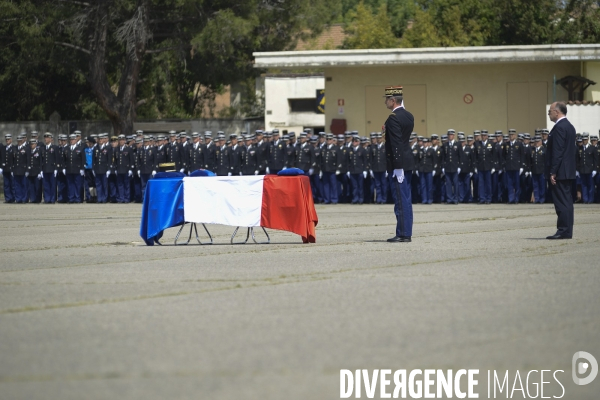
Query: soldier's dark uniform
{"x": 499, "y": 177}
{"x": 357, "y": 167}
{"x": 250, "y": 164}
{"x": 426, "y": 160}
{"x": 196, "y": 157}
{"x": 290, "y": 155}
{"x": 6, "y": 163}
{"x": 210, "y": 149}
{"x": 330, "y": 164}
{"x": 587, "y": 161}
{"x": 378, "y": 166}
{"x": 415, "y": 187}
{"x": 74, "y": 163}
{"x": 451, "y": 165}
{"x": 305, "y": 157}
{"x": 277, "y": 155}
{"x": 538, "y": 160}
{"x": 439, "y": 185}
{"x": 34, "y": 180}
{"x": 315, "y": 178}
{"x": 467, "y": 168}
{"x": 51, "y": 164}
{"x": 20, "y": 171}
{"x": 146, "y": 164}
{"x": 485, "y": 156}
{"x": 161, "y": 152}
{"x": 223, "y": 156}
{"x": 236, "y": 159}
{"x": 124, "y": 167}
{"x": 525, "y": 178}
{"x": 262, "y": 154}
{"x": 513, "y": 159}
{"x": 342, "y": 178}
{"x": 102, "y": 165}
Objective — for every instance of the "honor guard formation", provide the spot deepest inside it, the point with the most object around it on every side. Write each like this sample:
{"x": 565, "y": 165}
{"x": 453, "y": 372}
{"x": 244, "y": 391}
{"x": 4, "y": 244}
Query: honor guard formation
{"x": 455, "y": 168}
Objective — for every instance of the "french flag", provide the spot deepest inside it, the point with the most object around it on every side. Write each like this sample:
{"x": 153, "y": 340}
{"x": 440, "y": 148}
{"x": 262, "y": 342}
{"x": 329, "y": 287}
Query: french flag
{"x": 270, "y": 201}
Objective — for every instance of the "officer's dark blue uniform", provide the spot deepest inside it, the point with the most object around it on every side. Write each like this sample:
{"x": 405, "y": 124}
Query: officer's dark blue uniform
{"x": 467, "y": 167}
{"x": 538, "y": 160}
{"x": 146, "y": 163}
{"x": 196, "y": 155}
{"x": 276, "y": 154}
{"x": 20, "y": 169}
{"x": 262, "y": 152}
{"x": 250, "y": 165}
{"x": 102, "y": 165}
{"x": 223, "y": 156}
{"x": 329, "y": 165}
{"x": 451, "y": 167}
{"x": 6, "y": 163}
{"x": 426, "y": 155}
{"x": 587, "y": 161}
{"x": 74, "y": 162}
{"x": 357, "y": 168}
{"x": 342, "y": 178}
{"x": 51, "y": 164}
{"x": 378, "y": 166}
{"x": 513, "y": 159}
{"x": 485, "y": 156}
{"x": 415, "y": 187}
{"x": 315, "y": 178}
{"x": 525, "y": 178}
{"x": 124, "y": 166}
{"x": 34, "y": 180}
{"x": 499, "y": 176}
{"x": 210, "y": 149}
{"x": 398, "y": 127}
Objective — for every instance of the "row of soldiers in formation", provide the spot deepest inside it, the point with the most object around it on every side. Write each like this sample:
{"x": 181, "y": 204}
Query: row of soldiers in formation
{"x": 344, "y": 168}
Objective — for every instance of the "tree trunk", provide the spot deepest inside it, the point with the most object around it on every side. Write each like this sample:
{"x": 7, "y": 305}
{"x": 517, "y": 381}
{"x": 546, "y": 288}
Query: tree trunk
{"x": 120, "y": 107}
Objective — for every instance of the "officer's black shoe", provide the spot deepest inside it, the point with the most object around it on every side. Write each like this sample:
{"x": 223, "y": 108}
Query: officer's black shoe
{"x": 557, "y": 237}
{"x": 399, "y": 239}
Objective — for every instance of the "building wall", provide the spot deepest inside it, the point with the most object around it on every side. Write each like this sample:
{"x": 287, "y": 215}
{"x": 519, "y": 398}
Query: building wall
{"x": 591, "y": 70}
{"x": 439, "y": 91}
{"x": 585, "y": 118}
{"x": 278, "y": 90}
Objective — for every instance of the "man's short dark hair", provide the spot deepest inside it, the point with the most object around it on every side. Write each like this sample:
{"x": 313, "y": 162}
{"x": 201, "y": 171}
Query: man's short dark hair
{"x": 562, "y": 107}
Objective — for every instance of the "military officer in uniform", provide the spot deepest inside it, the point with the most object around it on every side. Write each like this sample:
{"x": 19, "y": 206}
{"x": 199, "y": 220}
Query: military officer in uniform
{"x": 426, "y": 157}
{"x": 124, "y": 166}
{"x": 262, "y": 152}
{"x": 466, "y": 158}
{"x": 236, "y": 156}
{"x": 498, "y": 176}
{"x": 305, "y": 156}
{"x": 250, "y": 165}
{"x": 329, "y": 166}
{"x": 594, "y": 140}
{"x": 290, "y": 152}
{"x": 438, "y": 181}
{"x": 74, "y": 162}
{"x": 51, "y": 164}
{"x": 210, "y": 159}
{"x": 513, "y": 156}
{"x": 62, "y": 188}
{"x": 587, "y": 162}
{"x": 315, "y": 178}
{"x": 277, "y": 154}
{"x": 223, "y": 156}
{"x": 34, "y": 180}
{"x": 196, "y": 154}
{"x": 538, "y": 160}
{"x": 161, "y": 150}
{"x": 6, "y": 167}
{"x": 357, "y": 170}
{"x": 146, "y": 164}
{"x": 526, "y": 185}
{"x": 342, "y": 178}
{"x": 20, "y": 168}
{"x": 378, "y": 169}
{"x": 397, "y": 129}
{"x": 415, "y": 186}
{"x": 485, "y": 163}
{"x": 451, "y": 167}
{"x": 101, "y": 167}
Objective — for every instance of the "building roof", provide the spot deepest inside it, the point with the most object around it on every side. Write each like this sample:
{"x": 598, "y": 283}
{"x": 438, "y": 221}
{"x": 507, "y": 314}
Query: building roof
{"x": 332, "y": 37}
{"x": 424, "y": 56}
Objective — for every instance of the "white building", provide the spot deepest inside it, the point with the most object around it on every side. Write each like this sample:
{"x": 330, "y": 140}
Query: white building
{"x": 292, "y": 102}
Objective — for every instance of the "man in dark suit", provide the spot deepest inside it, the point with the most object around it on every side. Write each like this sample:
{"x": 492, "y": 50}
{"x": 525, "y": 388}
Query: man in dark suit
{"x": 560, "y": 168}
{"x": 397, "y": 130}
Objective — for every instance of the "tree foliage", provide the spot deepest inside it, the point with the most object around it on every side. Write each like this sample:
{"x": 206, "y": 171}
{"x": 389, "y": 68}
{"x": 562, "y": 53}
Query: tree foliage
{"x": 155, "y": 58}
{"x": 370, "y": 31}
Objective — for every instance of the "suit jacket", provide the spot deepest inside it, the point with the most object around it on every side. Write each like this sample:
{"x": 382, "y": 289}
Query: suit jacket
{"x": 398, "y": 128}
{"x": 561, "y": 151}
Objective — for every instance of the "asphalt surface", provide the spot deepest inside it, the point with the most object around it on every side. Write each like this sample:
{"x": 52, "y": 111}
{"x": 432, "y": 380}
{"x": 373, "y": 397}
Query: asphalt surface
{"x": 89, "y": 312}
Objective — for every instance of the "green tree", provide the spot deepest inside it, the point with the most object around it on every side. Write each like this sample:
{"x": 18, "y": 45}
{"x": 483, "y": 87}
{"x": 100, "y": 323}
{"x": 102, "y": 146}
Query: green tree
{"x": 578, "y": 22}
{"x": 145, "y": 57}
{"x": 369, "y": 31}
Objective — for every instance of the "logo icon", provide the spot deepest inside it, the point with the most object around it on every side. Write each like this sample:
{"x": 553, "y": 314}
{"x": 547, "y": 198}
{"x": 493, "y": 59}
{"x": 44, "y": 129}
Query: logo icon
{"x": 581, "y": 367}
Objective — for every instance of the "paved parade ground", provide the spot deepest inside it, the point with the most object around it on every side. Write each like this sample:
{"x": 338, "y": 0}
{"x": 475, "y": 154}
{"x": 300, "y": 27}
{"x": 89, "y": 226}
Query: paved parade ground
{"x": 89, "y": 312}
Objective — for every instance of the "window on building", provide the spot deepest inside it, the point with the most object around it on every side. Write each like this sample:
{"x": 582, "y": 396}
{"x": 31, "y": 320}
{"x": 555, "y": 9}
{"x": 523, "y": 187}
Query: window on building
{"x": 303, "y": 105}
